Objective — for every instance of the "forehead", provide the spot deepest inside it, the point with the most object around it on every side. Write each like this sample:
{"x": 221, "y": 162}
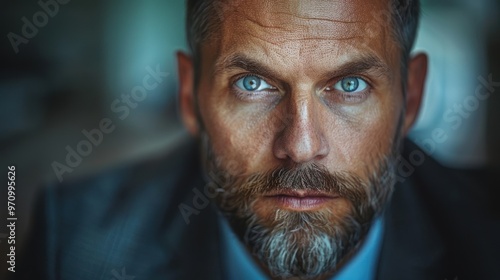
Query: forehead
{"x": 322, "y": 18}
{"x": 301, "y": 31}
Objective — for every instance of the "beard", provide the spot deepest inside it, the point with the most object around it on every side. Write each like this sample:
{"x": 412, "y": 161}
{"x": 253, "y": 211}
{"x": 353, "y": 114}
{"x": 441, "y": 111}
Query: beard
{"x": 303, "y": 244}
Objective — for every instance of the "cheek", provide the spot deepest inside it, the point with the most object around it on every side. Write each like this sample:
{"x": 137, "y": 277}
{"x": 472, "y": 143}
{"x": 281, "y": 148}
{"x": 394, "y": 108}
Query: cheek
{"x": 360, "y": 141}
{"x": 241, "y": 135}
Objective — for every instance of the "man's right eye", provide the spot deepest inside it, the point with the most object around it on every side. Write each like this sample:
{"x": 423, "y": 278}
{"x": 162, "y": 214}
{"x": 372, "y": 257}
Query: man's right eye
{"x": 253, "y": 83}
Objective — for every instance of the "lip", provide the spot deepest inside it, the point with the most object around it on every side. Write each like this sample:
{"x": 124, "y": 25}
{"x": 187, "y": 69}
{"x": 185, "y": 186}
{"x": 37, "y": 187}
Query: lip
{"x": 300, "y": 200}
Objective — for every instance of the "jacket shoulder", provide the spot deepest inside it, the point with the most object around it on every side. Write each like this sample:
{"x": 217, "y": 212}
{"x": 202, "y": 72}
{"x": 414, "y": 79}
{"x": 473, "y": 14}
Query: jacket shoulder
{"x": 441, "y": 222}
{"x": 123, "y": 218}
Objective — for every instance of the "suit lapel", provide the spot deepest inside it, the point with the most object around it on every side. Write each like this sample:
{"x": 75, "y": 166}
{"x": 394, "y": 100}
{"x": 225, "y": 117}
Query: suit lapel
{"x": 413, "y": 245}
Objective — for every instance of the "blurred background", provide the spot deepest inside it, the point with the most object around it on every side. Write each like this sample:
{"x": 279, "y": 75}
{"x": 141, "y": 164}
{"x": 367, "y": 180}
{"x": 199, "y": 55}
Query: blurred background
{"x": 67, "y": 68}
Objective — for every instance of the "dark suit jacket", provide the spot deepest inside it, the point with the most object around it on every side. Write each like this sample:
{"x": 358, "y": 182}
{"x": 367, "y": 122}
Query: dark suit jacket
{"x": 126, "y": 223}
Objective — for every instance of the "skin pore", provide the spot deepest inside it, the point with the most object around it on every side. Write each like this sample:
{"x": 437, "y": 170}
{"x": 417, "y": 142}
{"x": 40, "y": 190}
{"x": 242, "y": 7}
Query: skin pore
{"x": 301, "y": 56}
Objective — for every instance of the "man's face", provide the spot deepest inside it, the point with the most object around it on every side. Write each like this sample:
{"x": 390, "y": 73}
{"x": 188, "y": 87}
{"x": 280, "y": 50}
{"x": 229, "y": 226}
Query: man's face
{"x": 305, "y": 56}
{"x": 301, "y": 107}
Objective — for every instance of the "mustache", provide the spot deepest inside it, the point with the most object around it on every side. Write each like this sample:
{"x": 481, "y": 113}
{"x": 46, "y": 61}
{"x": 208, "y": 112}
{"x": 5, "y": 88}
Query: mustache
{"x": 311, "y": 177}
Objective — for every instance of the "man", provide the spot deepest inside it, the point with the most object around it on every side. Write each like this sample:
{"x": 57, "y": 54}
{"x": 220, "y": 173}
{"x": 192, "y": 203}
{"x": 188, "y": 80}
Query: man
{"x": 300, "y": 109}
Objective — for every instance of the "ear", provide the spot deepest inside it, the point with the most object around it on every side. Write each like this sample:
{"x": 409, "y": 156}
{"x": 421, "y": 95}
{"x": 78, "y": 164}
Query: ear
{"x": 417, "y": 72}
{"x": 186, "y": 93}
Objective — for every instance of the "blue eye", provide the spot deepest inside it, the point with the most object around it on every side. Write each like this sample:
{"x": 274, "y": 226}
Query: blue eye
{"x": 351, "y": 84}
{"x": 252, "y": 83}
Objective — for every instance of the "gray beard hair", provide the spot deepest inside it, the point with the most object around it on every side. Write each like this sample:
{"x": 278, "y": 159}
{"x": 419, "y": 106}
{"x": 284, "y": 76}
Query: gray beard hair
{"x": 301, "y": 244}
{"x": 295, "y": 247}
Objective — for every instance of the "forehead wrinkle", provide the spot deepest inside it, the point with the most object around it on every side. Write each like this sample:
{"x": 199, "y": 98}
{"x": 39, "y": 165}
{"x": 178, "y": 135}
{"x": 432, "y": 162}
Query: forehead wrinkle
{"x": 304, "y": 22}
{"x": 296, "y": 20}
{"x": 283, "y": 49}
{"x": 321, "y": 20}
{"x": 297, "y": 47}
{"x": 286, "y": 43}
{"x": 286, "y": 31}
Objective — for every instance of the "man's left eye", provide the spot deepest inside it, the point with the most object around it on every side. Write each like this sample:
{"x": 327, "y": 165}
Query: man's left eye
{"x": 252, "y": 83}
{"x": 351, "y": 85}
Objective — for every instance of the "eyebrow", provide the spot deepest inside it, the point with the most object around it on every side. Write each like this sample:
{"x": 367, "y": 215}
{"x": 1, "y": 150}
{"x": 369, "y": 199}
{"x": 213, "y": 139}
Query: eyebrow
{"x": 361, "y": 64}
{"x": 241, "y": 61}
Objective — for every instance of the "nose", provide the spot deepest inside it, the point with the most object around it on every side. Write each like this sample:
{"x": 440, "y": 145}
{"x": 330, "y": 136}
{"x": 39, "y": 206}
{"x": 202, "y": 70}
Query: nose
{"x": 300, "y": 136}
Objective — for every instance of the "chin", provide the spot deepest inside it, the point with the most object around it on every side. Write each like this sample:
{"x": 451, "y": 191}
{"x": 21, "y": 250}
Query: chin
{"x": 304, "y": 244}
